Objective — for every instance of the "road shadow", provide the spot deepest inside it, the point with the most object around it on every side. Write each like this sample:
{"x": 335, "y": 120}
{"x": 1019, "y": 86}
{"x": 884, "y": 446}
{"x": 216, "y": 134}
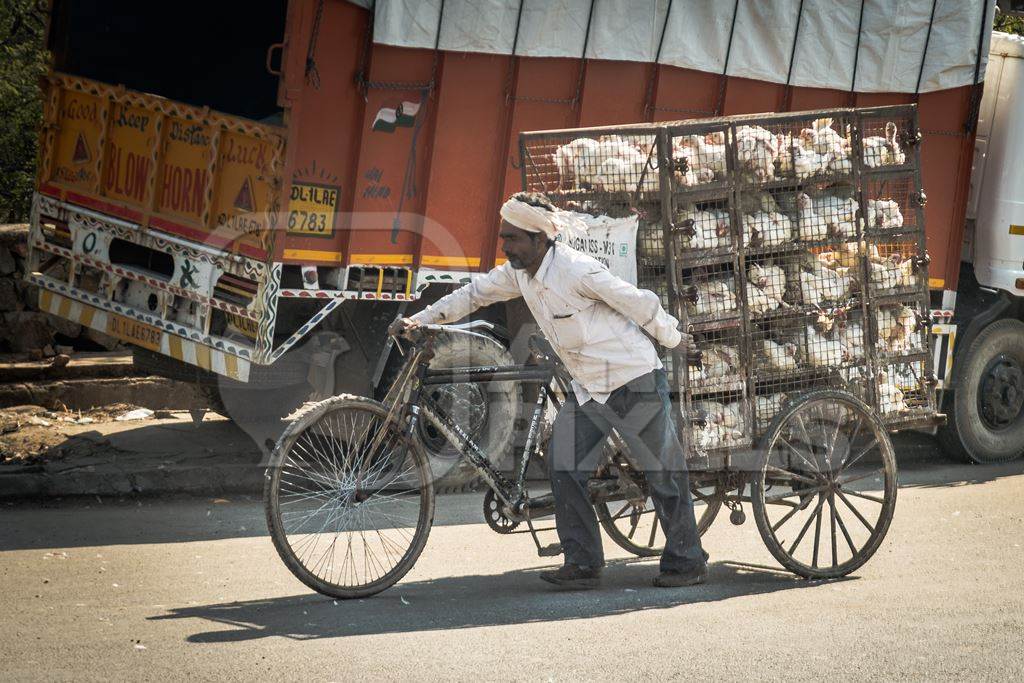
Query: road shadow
{"x": 514, "y": 597}
{"x": 938, "y": 474}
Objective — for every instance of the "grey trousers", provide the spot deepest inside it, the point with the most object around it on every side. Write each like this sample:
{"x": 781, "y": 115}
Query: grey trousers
{"x": 641, "y": 412}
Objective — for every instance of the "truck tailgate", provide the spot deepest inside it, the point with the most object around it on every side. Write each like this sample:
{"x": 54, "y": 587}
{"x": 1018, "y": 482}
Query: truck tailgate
{"x": 211, "y": 178}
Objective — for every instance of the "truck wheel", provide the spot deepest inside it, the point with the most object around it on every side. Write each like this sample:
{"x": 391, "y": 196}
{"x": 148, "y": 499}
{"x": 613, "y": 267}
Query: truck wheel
{"x": 986, "y": 420}
{"x": 487, "y": 412}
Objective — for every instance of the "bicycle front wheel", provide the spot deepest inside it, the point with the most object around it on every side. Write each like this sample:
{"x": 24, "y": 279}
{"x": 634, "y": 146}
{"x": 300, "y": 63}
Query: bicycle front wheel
{"x": 349, "y": 500}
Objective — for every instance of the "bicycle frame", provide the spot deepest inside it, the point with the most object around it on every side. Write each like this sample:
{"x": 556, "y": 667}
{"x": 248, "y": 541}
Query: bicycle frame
{"x": 407, "y": 393}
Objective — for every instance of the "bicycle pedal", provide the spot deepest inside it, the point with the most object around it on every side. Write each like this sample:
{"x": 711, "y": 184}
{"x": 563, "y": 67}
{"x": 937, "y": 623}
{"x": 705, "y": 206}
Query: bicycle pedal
{"x": 550, "y": 550}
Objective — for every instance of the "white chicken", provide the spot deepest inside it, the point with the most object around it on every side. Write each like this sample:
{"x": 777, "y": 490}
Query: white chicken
{"x": 884, "y": 214}
{"x": 756, "y": 150}
{"x": 701, "y": 152}
{"x": 768, "y": 407}
{"x": 883, "y": 151}
{"x": 779, "y": 357}
{"x": 770, "y": 278}
{"x": 890, "y": 397}
{"x": 704, "y": 229}
{"x": 851, "y": 339}
{"x": 758, "y": 301}
{"x": 822, "y": 351}
{"x": 810, "y": 226}
{"x": 840, "y": 215}
{"x": 824, "y": 284}
{"x": 720, "y": 361}
{"x": 714, "y": 297}
{"x": 892, "y": 271}
{"x": 577, "y": 161}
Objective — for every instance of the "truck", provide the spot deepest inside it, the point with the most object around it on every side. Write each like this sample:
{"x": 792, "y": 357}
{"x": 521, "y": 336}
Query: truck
{"x": 248, "y": 192}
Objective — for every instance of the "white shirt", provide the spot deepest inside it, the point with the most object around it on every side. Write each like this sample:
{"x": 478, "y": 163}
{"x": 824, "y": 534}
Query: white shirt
{"x": 591, "y": 317}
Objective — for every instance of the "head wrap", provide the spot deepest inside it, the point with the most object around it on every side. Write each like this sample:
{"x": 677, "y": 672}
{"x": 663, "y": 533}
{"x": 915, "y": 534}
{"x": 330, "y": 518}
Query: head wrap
{"x": 535, "y": 218}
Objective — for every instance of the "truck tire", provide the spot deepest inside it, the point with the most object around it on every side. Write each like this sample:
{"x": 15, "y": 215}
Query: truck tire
{"x": 486, "y": 411}
{"x": 986, "y": 411}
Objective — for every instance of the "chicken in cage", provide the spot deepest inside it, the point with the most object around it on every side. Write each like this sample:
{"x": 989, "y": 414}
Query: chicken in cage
{"x": 699, "y": 159}
{"x": 709, "y": 291}
{"x": 766, "y": 287}
{"x": 895, "y": 266}
{"x": 892, "y": 204}
{"x": 610, "y": 163}
{"x": 767, "y": 406}
{"x": 718, "y": 424}
{"x": 901, "y": 329}
{"x": 764, "y": 225}
{"x": 822, "y": 280}
{"x": 721, "y": 367}
{"x": 881, "y": 144}
{"x": 706, "y": 226}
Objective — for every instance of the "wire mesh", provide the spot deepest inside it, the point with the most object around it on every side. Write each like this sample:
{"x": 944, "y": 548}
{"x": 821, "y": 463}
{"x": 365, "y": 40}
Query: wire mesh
{"x": 900, "y": 329}
{"x": 709, "y": 291}
{"x": 888, "y": 136}
{"x": 897, "y": 266}
{"x": 794, "y": 148}
{"x": 892, "y": 204}
{"x": 905, "y": 390}
{"x": 795, "y": 247}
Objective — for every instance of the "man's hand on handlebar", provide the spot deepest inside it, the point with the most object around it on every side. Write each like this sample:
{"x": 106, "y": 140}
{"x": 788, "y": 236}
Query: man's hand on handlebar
{"x": 402, "y": 326}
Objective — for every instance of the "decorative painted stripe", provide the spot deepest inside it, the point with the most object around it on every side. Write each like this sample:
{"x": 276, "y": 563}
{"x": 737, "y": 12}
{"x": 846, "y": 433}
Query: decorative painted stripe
{"x": 1017, "y": 229}
{"x": 347, "y": 294}
{"x": 381, "y": 259}
{"x": 312, "y": 255}
{"x": 151, "y": 281}
{"x": 207, "y": 238}
{"x": 61, "y": 288}
{"x": 229, "y": 262}
{"x": 172, "y": 345}
{"x": 105, "y": 207}
{"x": 936, "y": 283}
{"x": 465, "y": 262}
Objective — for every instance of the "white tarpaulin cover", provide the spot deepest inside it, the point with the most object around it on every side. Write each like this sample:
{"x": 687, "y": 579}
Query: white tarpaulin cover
{"x": 822, "y": 37}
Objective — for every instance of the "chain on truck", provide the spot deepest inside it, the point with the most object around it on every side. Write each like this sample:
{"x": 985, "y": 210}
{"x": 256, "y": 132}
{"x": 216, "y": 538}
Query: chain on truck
{"x": 251, "y": 216}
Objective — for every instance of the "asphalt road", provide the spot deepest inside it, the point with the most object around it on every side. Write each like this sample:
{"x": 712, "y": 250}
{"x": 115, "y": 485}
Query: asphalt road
{"x": 159, "y": 589}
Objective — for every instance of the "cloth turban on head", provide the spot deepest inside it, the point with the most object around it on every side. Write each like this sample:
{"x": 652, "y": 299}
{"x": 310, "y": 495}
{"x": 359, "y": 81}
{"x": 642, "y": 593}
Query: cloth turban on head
{"x": 536, "y": 218}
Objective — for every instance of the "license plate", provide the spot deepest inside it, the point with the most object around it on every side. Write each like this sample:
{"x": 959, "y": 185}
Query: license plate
{"x": 126, "y": 329}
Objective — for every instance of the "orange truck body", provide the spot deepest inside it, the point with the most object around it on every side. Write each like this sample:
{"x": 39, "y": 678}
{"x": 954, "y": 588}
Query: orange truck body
{"x": 386, "y": 174}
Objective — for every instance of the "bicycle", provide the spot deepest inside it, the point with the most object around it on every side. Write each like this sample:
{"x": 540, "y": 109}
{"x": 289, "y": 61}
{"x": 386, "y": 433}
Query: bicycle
{"x": 353, "y": 470}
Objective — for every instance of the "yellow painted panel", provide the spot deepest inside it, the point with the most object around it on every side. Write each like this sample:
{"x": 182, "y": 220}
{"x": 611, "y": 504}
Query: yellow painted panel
{"x": 174, "y": 346}
{"x": 129, "y": 159}
{"x": 231, "y": 365}
{"x": 242, "y": 200}
{"x": 80, "y": 122}
{"x": 184, "y": 179}
{"x": 1017, "y": 229}
{"x": 936, "y": 282}
{"x": 202, "y": 356}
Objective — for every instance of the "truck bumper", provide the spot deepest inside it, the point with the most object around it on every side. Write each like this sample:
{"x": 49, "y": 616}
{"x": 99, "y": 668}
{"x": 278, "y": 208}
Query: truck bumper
{"x": 82, "y": 246}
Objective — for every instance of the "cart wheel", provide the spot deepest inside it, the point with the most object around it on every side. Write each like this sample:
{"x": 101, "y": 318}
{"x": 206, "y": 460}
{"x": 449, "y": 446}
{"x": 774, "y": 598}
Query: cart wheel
{"x": 826, "y": 462}
{"x": 638, "y": 530}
